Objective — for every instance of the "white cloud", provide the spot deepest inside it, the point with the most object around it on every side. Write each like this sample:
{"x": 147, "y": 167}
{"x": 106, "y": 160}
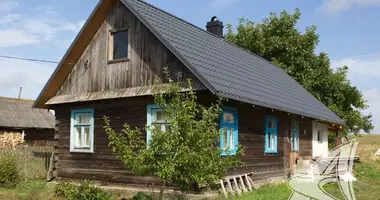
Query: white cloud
{"x": 16, "y": 37}
{"x": 75, "y": 27}
{"x": 40, "y": 24}
{"x": 361, "y": 67}
{"x": 6, "y": 5}
{"x": 220, "y": 4}
{"x": 364, "y": 72}
{"x": 63, "y": 44}
{"x": 9, "y": 18}
{"x": 31, "y": 76}
{"x": 21, "y": 26}
{"x": 47, "y": 9}
{"x": 337, "y": 6}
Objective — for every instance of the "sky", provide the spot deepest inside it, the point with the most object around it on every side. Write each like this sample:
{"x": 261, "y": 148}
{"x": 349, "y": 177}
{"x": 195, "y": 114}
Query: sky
{"x": 43, "y": 29}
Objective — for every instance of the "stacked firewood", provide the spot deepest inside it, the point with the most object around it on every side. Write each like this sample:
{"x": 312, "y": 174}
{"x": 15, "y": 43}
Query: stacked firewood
{"x": 10, "y": 139}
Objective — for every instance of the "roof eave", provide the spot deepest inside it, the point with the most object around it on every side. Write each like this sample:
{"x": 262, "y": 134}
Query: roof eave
{"x": 337, "y": 122}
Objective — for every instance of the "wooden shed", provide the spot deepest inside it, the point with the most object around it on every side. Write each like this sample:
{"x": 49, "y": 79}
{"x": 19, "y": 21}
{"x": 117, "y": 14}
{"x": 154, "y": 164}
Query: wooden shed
{"x": 120, "y": 54}
{"x": 20, "y": 123}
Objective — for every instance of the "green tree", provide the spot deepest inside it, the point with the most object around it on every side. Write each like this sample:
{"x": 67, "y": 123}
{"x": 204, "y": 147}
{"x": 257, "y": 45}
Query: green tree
{"x": 187, "y": 152}
{"x": 278, "y": 40}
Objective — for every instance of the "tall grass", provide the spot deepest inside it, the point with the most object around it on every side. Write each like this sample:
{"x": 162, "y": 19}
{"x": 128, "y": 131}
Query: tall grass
{"x": 368, "y": 145}
{"x": 32, "y": 162}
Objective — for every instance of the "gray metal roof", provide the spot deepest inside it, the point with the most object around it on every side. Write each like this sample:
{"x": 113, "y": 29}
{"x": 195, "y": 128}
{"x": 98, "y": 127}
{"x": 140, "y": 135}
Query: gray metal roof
{"x": 227, "y": 70}
{"x": 18, "y": 113}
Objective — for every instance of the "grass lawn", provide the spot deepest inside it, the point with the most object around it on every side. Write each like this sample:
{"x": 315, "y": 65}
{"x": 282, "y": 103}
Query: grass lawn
{"x": 367, "y": 172}
{"x": 31, "y": 190}
{"x": 268, "y": 192}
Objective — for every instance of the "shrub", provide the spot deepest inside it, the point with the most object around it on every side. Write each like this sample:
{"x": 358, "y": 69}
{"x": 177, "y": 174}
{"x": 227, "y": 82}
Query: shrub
{"x": 65, "y": 189}
{"x": 8, "y": 171}
{"x": 83, "y": 191}
{"x": 141, "y": 196}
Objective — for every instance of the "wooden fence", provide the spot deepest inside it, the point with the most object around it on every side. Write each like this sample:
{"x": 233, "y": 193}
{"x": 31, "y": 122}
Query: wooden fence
{"x": 33, "y": 162}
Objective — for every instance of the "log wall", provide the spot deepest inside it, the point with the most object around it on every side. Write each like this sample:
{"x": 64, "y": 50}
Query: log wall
{"x": 102, "y": 165}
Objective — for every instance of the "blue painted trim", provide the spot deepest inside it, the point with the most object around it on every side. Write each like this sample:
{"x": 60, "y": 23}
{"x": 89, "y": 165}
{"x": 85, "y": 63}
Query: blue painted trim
{"x": 234, "y": 125}
{"x": 149, "y": 119}
{"x": 72, "y": 131}
{"x": 272, "y": 130}
{"x": 295, "y": 136}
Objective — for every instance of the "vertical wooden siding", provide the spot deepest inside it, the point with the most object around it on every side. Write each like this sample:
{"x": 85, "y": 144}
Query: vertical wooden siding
{"x": 147, "y": 58}
{"x": 103, "y": 165}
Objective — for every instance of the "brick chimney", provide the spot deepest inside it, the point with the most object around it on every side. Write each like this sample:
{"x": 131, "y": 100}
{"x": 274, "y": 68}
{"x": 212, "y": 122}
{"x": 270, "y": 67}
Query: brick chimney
{"x": 215, "y": 26}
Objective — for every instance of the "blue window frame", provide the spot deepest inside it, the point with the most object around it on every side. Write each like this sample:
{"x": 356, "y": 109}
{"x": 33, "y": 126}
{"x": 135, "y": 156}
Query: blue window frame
{"x": 229, "y": 131}
{"x": 271, "y": 134}
{"x": 155, "y": 117}
{"x": 82, "y": 131}
{"x": 295, "y": 132}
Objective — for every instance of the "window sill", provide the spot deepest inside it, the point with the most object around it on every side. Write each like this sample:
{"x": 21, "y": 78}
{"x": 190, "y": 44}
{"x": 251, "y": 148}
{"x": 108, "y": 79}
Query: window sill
{"x": 84, "y": 150}
{"x": 225, "y": 155}
{"x": 118, "y": 60}
{"x": 271, "y": 152}
{"x": 229, "y": 153}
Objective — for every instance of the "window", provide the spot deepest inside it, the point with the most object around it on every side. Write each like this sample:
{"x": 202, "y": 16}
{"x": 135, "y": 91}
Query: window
{"x": 271, "y": 134}
{"x": 156, "y": 117}
{"x": 319, "y": 136}
{"x": 295, "y": 135}
{"x": 118, "y": 45}
{"x": 82, "y": 131}
{"x": 229, "y": 131}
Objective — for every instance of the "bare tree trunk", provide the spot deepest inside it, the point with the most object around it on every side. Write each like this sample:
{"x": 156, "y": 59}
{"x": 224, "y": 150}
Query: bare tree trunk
{"x": 162, "y": 191}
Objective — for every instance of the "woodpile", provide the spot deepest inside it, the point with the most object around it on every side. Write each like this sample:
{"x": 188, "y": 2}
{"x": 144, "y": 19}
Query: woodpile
{"x": 11, "y": 139}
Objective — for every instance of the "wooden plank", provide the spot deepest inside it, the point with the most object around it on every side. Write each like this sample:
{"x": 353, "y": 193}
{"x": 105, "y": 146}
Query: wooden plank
{"x": 107, "y": 176}
{"x": 248, "y": 182}
{"x": 147, "y": 56}
{"x": 251, "y": 181}
{"x": 111, "y": 94}
{"x": 237, "y": 186}
{"x": 75, "y": 51}
{"x": 223, "y": 188}
{"x": 242, "y": 184}
{"x": 230, "y": 186}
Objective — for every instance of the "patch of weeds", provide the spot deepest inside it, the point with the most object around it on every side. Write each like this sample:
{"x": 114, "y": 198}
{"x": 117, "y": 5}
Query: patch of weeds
{"x": 86, "y": 190}
{"x": 30, "y": 190}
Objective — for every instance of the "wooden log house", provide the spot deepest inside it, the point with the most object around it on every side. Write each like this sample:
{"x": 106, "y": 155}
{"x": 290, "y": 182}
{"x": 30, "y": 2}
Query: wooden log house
{"x": 22, "y": 124}
{"x": 118, "y": 57}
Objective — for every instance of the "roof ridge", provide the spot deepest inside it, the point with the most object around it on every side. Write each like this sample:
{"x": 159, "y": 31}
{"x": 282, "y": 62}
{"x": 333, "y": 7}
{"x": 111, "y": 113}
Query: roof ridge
{"x": 175, "y": 16}
{"x": 223, "y": 39}
{"x": 14, "y": 98}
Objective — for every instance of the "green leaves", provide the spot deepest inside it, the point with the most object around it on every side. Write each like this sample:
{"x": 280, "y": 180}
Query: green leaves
{"x": 84, "y": 191}
{"x": 278, "y": 40}
{"x": 187, "y": 152}
{"x": 9, "y": 175}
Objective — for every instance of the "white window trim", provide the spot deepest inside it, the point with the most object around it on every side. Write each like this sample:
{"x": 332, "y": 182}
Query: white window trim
{"x": 73, "y": 148}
